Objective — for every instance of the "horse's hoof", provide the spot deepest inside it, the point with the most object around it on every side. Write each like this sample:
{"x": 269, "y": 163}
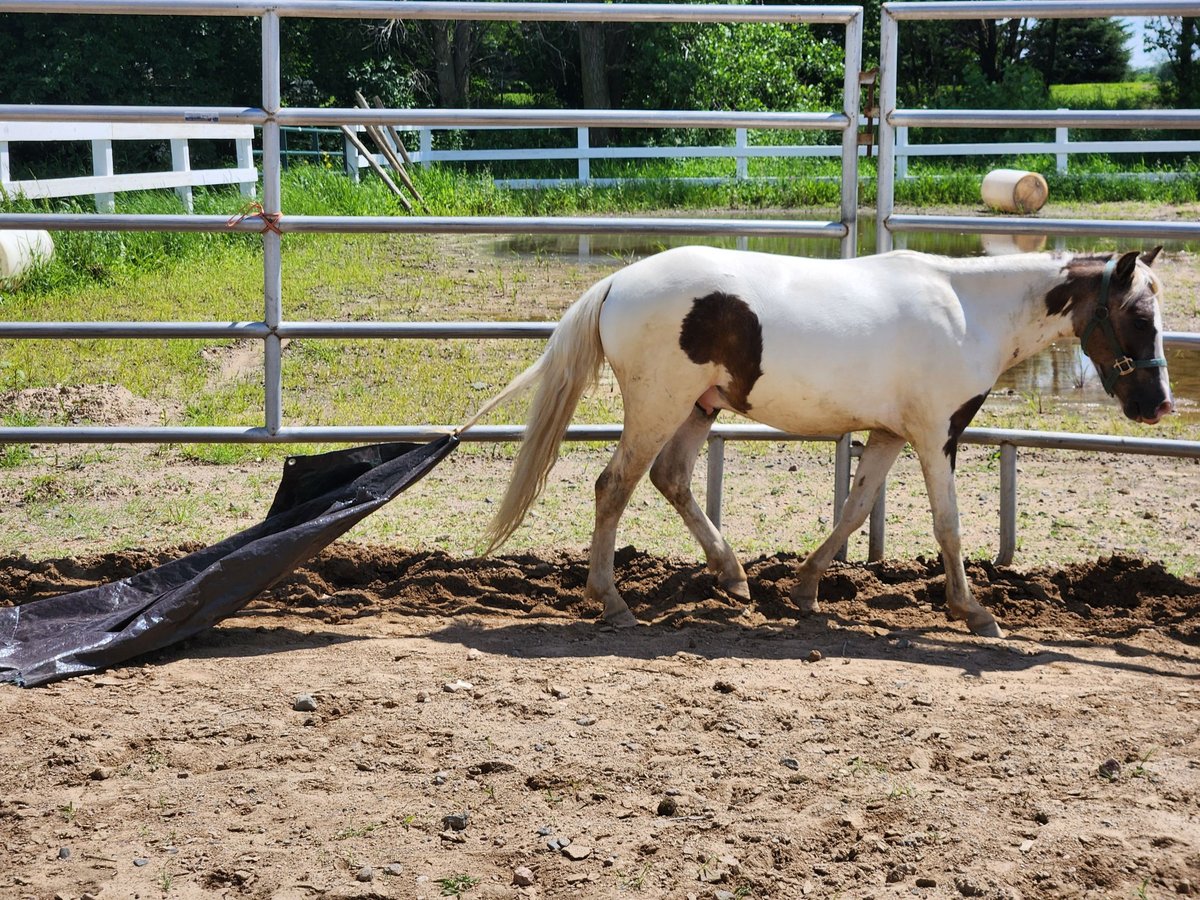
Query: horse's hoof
{"x": 986, "y": 628}
{"x": 622, "y": 619}
{"x": 806, "y": 604}
{"x": 736, "y": 587}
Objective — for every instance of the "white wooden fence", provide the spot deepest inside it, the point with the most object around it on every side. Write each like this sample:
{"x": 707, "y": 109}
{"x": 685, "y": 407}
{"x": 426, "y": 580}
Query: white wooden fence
{"x": 104, "y": 181}
{"x": 742, "y": 151}
{"x": 1062, "y": 147}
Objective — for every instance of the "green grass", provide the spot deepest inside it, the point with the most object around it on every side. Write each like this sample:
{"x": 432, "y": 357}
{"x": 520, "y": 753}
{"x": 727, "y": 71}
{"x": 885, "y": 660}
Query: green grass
{"x": 1115, "y": 95}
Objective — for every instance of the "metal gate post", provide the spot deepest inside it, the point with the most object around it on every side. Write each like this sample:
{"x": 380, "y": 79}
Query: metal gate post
{"x": 875, "y": 533}
{"x": 885, "y": 202}
{"x": 272, "y": 249}
{"x": 1008, "y": 504}
{"x": 850, "y": 93}
{"x": 841, "y": 483}
{"x": 716, "y": 480}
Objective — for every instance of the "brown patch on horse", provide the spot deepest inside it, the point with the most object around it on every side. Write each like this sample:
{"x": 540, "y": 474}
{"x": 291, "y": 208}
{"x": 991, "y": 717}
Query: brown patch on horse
{"x": 958, "y": 424}
{"x": 1083, "y": 277}
{"x": 1082, "y": 282}
{"x": 721, "y": 328}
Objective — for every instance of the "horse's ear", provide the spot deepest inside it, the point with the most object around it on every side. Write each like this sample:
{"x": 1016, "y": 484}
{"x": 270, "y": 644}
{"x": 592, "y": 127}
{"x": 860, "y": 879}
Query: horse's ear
{"x": 1125, "y": 266}
{"x": 1150, "y": 255}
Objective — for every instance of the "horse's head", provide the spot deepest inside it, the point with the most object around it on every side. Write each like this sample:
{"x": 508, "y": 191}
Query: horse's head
{"x": 1113, "y": 304}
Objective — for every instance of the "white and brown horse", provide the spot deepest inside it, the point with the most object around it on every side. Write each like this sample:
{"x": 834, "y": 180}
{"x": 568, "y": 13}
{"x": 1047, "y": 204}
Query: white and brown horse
{"x": 903, "y": 345}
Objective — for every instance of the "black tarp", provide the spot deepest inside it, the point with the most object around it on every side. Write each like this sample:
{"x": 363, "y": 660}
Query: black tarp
{"x": 319, "y": 498}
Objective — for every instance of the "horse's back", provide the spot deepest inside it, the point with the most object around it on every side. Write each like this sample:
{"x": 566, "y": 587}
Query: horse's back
{"x": 795, "y": 342}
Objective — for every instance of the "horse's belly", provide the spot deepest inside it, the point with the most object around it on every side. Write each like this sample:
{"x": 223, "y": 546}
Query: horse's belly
{"x": 802, "y": 407}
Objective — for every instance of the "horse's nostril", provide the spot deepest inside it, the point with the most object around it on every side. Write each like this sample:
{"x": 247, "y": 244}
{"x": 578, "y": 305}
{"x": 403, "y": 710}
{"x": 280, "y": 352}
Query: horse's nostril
{"x": 1164, "y": 409}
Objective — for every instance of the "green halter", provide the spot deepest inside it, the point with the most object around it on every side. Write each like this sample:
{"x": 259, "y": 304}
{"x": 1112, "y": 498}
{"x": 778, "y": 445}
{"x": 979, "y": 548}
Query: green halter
{"x": 1123, "y": 365}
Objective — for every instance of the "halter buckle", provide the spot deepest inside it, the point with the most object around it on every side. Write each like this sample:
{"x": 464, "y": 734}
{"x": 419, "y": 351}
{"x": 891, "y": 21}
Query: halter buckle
{"x": 1124, "y": 366}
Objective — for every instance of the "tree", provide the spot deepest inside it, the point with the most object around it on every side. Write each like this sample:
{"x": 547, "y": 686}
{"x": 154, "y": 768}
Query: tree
{"x": 1180, "y": 38}
{"x": 453, "y": 46}
{"x": 1077, "y": 51}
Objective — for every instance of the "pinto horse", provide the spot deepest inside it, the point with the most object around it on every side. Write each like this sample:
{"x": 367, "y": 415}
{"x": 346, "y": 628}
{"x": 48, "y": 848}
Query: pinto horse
{"x": 903, "y": 345}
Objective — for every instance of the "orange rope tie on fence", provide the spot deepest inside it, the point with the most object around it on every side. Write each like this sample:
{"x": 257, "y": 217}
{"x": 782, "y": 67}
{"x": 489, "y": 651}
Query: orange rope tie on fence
{"x": 254, "y": 208}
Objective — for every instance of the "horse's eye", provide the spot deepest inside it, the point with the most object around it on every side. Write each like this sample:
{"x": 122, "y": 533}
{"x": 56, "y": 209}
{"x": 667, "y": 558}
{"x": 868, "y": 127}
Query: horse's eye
{"x": 1143, "y": 324}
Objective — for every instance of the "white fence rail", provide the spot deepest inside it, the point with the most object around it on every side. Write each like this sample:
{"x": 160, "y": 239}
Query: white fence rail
{"x": 1062, "y": 148}
{"x": 104, "y": 181}
{"x": 583, "y": 154}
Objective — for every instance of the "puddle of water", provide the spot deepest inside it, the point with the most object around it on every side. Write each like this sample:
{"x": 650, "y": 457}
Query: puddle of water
{"x": 1060, "y": 375}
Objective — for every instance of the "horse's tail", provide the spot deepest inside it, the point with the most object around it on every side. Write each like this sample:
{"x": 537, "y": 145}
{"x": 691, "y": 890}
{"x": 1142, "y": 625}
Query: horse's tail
{"x": 570, "y": 365}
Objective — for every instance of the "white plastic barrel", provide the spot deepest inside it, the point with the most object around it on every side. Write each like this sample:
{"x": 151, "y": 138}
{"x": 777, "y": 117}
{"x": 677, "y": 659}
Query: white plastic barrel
{"x": 1012, "y": 190}
{"x": 22, "y": 250}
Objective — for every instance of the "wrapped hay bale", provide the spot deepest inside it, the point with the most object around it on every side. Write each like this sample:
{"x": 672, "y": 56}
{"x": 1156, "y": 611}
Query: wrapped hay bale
{"x": 1011, "y": 190}
{"x": 1005, "y": 244}
{"x": 21, "y": 251}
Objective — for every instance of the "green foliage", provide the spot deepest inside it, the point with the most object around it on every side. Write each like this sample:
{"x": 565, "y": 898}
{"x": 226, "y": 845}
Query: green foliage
{"x": 762, "y": 66}
{"x": 457, "y": 885}
{"x": 1179, "y": 37}
{"x": 1110, "y": 95}
{"x": 1072, "y": 51}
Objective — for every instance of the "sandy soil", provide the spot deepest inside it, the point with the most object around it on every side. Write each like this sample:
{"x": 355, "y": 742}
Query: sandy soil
{"x": 873, "y": 751}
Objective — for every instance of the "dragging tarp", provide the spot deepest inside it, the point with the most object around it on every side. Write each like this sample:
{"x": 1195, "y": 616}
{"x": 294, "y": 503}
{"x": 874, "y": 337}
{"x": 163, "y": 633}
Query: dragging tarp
{"x": 319, "y": 498}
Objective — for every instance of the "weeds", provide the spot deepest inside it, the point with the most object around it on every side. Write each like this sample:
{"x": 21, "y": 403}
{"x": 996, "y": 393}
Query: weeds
{"x": 356, "y": 831}
{"x": 638, "y": 881}
{"x": 457, "y": 885}
{"x": 1140, "y": 770}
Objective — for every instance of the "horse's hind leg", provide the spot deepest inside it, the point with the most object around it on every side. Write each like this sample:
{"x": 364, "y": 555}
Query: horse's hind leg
{"x": 645, "y": 432}
{"x": 672, "y": 475}
{"x": 877, "y": 457}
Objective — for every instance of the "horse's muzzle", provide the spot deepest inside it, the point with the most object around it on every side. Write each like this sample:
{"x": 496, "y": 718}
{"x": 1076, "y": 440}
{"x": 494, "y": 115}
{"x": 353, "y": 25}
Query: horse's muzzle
{"x": 1164, "y": 409}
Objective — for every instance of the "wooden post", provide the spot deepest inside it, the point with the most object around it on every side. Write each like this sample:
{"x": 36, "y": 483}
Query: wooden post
{"x": 585, "y": 159}
{"x": 102, "y": 164}
{"x": 350, "y": 158}
{"x": 245, "y": 160}
{"x": 181, "y": 161}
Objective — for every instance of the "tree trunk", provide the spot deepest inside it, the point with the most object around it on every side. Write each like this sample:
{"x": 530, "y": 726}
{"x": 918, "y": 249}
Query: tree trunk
{"x": 593, "y": 67}
{"x": 452, "y": 62}
{"x": 462, "y": 62}
{"x": 1185, "y": 69}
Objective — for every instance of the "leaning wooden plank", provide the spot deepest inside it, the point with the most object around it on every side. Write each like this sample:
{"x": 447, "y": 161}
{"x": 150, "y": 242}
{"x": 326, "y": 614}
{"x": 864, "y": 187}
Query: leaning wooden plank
{"x": 394, "y": 134}
{"x": 384, "y": 145}
{"x": 380, "y": 137}
{"x": 378, "y": 169}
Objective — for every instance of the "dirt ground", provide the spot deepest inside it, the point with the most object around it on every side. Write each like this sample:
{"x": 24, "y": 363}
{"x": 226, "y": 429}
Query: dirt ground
{"x": 875, "y": 750}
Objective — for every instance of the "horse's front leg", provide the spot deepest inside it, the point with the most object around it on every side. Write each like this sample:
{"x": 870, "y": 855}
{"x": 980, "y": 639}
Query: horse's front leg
{"x": 938, "y": 468}
{"x": 877, "y": 457}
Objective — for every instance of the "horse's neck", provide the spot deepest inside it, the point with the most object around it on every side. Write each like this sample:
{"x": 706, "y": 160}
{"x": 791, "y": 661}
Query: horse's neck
{"x": 1005, "y": 298}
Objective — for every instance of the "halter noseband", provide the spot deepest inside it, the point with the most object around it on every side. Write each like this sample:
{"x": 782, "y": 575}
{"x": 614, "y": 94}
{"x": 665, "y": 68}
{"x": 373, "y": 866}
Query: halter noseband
{"x": 1123, "y": 364}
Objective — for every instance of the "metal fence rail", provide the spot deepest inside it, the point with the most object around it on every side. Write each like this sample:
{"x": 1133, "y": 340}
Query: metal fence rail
{"x": 270, "y": 115}
{"x": 893, "y": 118}
{"x": 274, "y": 327}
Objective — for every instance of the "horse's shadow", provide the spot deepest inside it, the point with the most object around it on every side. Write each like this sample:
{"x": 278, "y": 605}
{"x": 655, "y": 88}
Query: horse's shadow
{"x": 833, "y": 636}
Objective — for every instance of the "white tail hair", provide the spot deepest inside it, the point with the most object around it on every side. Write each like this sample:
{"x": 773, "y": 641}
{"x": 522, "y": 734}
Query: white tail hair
{"x": 570, "y": 365}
